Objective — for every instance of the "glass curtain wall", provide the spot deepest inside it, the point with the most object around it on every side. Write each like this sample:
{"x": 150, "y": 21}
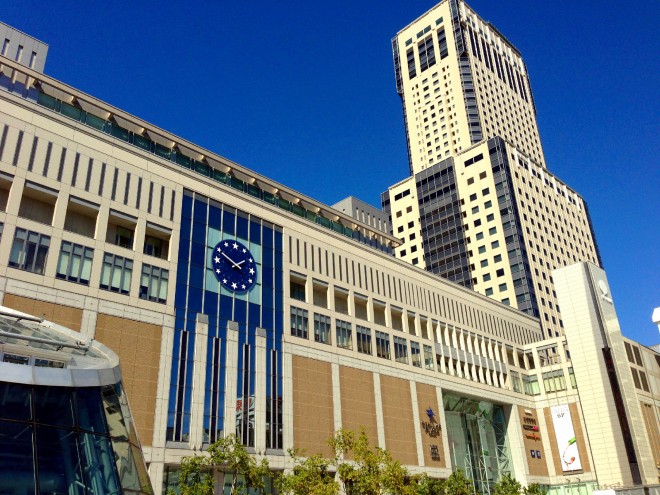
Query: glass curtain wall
{"x": 204, "y": 223}
{"x": 477, "y": 440}
{"x": 65, "y": 440}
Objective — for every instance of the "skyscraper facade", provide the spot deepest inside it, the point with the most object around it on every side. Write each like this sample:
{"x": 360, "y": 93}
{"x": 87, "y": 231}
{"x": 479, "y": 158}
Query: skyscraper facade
{"x": 480, "y": 206}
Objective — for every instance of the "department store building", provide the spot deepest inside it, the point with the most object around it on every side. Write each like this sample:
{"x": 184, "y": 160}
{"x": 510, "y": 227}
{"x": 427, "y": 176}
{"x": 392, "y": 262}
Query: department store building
{"x": 237, "y": 305}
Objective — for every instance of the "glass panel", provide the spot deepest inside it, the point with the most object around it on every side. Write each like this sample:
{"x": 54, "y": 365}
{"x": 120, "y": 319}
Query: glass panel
{"x": 90, "y": 410}
{"x": 100, "y": 472}
{"x": 15, "y": 402}
{"x": 63, "y": 264}
{"x": 16, "y": 458}
{"x": 53, "y": 406}
{"x": 126, "y": 465}
{"x": 59, "y": 462}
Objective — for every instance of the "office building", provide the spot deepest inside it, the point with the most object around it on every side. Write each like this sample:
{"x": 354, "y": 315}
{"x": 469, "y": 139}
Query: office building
{"x": 65, "y": 422}
{"x": 237, "y": 305}
{"x": 480, "y": 206}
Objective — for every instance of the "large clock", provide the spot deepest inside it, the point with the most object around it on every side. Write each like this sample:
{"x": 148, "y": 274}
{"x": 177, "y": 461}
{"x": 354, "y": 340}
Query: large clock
{"x": 234, "y": 266}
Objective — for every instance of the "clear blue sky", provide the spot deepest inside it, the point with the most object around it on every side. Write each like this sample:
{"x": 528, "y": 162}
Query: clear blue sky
{"x": 303, "y": 92}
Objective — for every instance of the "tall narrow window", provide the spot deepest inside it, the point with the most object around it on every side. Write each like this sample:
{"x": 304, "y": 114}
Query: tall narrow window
{"x": 401, "y": 350}
{"x": 321, "y": 328}
{"x": 75, "y": 263}
{"x": 415, "y": 354}
{"x": 29, "y": 251}
{"x": 382, "y": 345}
{"x": 154, "y": 282}
{"x": 363, "y": 339}
{"x": 116, "y": 273}
{"x": 344, "y": 337}
{"x": 299, "y": 322}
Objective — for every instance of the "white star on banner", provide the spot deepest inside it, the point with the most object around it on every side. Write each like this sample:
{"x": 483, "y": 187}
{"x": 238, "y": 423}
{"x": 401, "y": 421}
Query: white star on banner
{"x": 216, "y": 259}
{"x": 244, "y": 250}
{"x": 224, "y": 280}
{"x": 233, "y": 285}
{"x": 243, "y": 286}
{"x": 218, "y": 271}
{"x": 251, "y": 271}
{"x": 249, "y": 280}
{"x": 219, "y": 250}
{"x": 235, "y": 246}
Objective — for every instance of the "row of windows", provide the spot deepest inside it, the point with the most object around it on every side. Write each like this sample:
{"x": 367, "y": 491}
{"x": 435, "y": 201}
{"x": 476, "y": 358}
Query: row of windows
{"x": 364, "y": 338}
{"x": 29, "y": 252}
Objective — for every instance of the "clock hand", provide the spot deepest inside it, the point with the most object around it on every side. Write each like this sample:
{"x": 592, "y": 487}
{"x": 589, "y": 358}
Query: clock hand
{"x": 235, "y": 265}
{"x": 240, "y": 263}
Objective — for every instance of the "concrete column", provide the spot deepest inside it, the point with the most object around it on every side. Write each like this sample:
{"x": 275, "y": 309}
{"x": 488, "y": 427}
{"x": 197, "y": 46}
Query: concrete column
{"x": 443, "y": 423}
{"x": 260, "y": 392}
{"x": 199, "y": 380}
{"x": 336, "y": 395}
{"x": 380, "y": 423}
{"x": 417, "y": 423}
{"x": 231, "y": 378}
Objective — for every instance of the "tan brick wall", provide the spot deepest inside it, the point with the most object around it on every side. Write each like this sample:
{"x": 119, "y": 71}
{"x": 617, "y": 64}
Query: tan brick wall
{"x": 57, "y": 313}
{"x": 398, "y": 419}
{"x": 138, "y": 346}
{"x": 358, "y": 401}
{"x": 313, "y": 417}
{"x": 532, "y": 441}
{"x": 427, "y": 397}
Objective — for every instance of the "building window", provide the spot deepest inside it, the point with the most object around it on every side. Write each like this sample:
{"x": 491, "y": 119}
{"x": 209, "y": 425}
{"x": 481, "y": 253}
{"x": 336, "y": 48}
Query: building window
{"x": 363, "y": 335}
{"x": 344, "y": 338}
{"x": 500, "y": 272}
{"x": 482, "y": 249}
{"x": 531, "y": 385}
{"x": 297, "y": 290}
{"x": 480, "y": 235}
{"x": 75, "y": 263}
{"x": 29, "y": 251}
{"x": 492, "y": 230}
{"x": 428, "y": 357}
{"x": 400, "y": 350}
{"x": 153, "y": 283}
{"x": 502, "y": 287}
{"x": 489, "y": 291}
{"x": 382, "y": 345}
{"x": 571, "y": 376}
{"x": 554, "y": 381}
{"x": 487, "y": 277}
{"x": 299, "y": 322}
{"x": 495, "y": 244}
{"x": 153, "y": 246}
{"x": 415, "y": 354}
{"x": 490, "y": 217}
{"x": 484, "y": 263}
{"x": 515, "y": 382}
{"x": 322, "y": 329}
{"x": 116, "y": 273}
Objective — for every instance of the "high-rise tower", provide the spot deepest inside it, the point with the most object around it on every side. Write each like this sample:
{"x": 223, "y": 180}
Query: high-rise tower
{"x": 480, "y": 206}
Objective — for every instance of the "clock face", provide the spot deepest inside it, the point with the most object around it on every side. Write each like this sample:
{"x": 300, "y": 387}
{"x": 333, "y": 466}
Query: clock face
{"x": 234, "y": 266}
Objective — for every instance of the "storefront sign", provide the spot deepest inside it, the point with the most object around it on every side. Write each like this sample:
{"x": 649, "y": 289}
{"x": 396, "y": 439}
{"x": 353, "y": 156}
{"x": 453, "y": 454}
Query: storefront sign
{"x": 435, "y": 452}
{"x": 431, "y": 429}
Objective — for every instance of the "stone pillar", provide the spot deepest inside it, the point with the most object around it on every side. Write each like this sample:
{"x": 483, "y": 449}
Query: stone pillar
{"x": 231, "y": 378}
{"x": 199, "y": 381}
{"x": 260, "y": 392}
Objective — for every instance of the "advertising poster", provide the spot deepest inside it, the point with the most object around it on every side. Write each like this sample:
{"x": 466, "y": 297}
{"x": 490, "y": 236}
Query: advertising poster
{"x": 565, "y": 435}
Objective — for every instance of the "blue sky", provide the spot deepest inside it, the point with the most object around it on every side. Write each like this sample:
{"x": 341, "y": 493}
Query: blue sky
{"x": 303, "y": 92}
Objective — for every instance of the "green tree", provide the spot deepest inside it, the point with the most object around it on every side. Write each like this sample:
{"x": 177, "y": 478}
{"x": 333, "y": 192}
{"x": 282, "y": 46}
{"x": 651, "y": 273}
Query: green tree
{"x": 458, "y": 484}
{"x": 370, "y": 470}
{"x": 507, "y": 485}
{"x": 310, "y": 476}
{"x": 534, "y": 489}
{"x": 425, "y": 485}
{"x": 229, "y": 454}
